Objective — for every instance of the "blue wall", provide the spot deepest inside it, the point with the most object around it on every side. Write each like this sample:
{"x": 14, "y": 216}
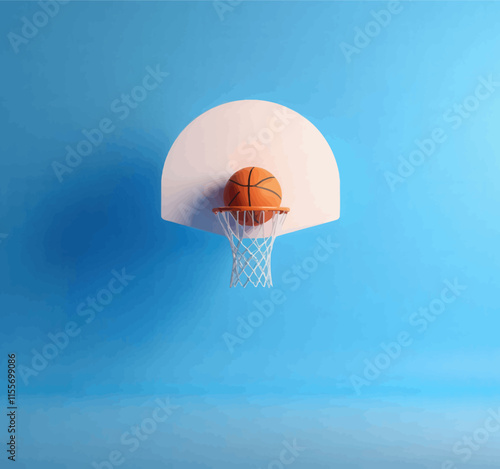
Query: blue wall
{"x": 381, "y": 354}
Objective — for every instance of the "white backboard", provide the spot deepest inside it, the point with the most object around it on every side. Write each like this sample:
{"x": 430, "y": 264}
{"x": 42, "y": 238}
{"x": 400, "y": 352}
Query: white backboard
{"x": 250, "y": 133}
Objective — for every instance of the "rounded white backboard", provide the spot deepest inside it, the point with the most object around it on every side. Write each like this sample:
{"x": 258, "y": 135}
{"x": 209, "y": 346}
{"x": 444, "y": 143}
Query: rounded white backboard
{"x": 250, "y": 133}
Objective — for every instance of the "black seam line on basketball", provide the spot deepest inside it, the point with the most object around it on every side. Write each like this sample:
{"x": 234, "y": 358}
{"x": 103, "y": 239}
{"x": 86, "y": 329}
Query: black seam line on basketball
{"x": 237, "y": 183}
{"x": 266, "y": 189}
{"x": 254, "y": 219}
{"x": 246, "y": 185}
{"x": 232, "y": 200}
{"x": 265, "y": 179}
{"x": 249, "y": 176}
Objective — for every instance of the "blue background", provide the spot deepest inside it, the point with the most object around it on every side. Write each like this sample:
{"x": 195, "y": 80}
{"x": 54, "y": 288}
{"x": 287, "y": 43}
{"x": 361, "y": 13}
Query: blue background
{"x": 163, "y": 335}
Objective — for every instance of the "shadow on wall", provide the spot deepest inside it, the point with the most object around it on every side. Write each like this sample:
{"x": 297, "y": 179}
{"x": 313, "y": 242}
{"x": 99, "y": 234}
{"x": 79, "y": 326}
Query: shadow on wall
{"x": 202, "y": 204}
{"x": 105, "y": 215}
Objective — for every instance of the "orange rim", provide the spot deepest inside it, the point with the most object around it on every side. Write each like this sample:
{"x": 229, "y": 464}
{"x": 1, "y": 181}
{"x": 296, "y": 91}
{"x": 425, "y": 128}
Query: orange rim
{"x": 251, "y": 209}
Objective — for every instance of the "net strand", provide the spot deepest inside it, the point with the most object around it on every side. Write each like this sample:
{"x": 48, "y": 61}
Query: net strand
{"x": 251, "y": 245}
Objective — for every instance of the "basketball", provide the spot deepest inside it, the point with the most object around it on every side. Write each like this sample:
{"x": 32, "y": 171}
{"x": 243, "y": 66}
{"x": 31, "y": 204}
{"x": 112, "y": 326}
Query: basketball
{"x": 253, "y": 187}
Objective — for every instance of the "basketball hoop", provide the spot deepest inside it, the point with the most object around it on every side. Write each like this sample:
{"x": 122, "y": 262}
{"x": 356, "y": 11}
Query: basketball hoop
{"x": 251, "y": 232}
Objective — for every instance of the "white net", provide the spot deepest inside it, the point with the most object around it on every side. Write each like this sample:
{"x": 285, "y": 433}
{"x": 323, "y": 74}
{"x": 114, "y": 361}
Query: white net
{"x": 251, "y": 235}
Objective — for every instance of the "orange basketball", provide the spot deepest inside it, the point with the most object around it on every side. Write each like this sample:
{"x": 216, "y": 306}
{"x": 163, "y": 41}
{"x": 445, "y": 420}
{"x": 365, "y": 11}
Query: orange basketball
{"x": 252, "y": 187}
